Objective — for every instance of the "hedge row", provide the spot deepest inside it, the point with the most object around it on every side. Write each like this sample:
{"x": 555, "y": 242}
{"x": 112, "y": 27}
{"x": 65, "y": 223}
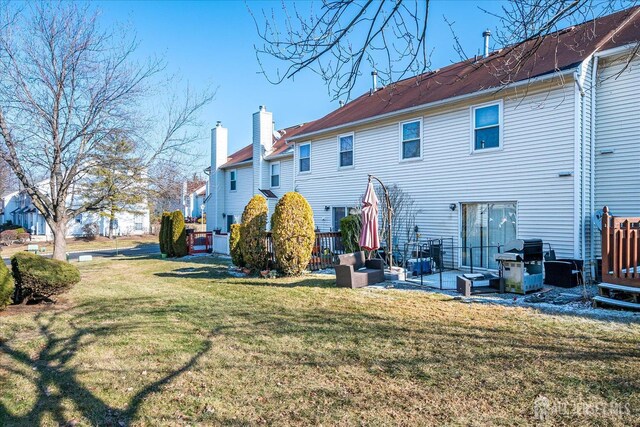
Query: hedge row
{"x": 173, "y": 235}
{"x": 6, "y": 286}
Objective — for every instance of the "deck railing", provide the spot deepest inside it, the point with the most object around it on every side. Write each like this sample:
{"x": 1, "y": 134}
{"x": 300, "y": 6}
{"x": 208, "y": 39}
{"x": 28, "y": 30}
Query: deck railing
{"x": 620, "y": 247}
{"x": 325, "y": 251}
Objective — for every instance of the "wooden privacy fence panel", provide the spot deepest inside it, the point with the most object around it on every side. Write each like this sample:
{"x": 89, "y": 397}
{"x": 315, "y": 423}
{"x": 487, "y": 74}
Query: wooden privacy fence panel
{"x": 620, "y": 248}
{"x": 199, "y": 242}
{"x": 325, "y": 251}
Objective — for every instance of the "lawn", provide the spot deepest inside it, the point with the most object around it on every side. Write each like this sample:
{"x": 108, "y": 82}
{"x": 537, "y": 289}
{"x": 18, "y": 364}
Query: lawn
{"x": 157, "y": 342}
{"x": 82, "y": 244}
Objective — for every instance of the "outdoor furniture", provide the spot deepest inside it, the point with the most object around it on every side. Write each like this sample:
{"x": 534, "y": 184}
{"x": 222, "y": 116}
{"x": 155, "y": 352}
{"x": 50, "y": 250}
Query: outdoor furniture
{"x": 565, "y": 273}
{"x": 355, "y": 271}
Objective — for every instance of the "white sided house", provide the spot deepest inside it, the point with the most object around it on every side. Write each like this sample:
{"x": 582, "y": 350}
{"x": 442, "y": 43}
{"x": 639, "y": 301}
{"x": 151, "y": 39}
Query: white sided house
{"x": 18, "y": 209}
{"x": 486, "y": 162}
{"x": 263, "y": 167}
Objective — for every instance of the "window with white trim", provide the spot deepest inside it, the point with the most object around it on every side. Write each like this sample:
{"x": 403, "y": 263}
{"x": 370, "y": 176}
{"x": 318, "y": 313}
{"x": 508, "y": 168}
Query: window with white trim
{"x": 275, "y": 174}
{"x": 486, "y": 127}
{"x": 304, "y": 157}
{"x": 137, "y": 222}
{"x": 410, "y": 139}
{"x": 345, "y": 150}
{"x": 233, "y": 183}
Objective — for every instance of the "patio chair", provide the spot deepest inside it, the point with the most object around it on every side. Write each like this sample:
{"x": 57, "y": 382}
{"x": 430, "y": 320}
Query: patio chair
{"x": 355, "y": 271}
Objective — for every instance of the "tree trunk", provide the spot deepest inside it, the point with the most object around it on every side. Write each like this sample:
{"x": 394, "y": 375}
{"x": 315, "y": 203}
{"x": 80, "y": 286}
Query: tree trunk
{"x": 111, "y": 227}
{"x": 59, "y": 240}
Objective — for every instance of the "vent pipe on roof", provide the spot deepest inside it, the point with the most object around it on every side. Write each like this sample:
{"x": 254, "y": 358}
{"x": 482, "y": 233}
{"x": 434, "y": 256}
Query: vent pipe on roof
{"x": 341, "y": 102}
{"x": 374, "y": 76}
{"x": 486, "y": 34}
{"x": 218, "y": 123}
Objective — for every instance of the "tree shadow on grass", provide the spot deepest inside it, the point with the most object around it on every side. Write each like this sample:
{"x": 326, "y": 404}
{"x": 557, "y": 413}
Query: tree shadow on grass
{"x": 53, "y": 371}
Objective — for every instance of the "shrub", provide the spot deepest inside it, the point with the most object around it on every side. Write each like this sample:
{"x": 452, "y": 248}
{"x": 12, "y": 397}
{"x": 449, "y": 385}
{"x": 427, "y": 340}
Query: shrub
{"x": 293, "y": 233}
{"x": 23, "y": 237}
{"x": 234, "y": 246}
{"x": 6, "y": 286}
{"x": 178, "y": 235}
{"x": 90, "y": 230}
{"x": 253, "y": 233}
{"x": 8, "y": 237}
{"x": 39, "y": 278}
{"x": 350, "y": 227}
{"x": 164, "y": 228}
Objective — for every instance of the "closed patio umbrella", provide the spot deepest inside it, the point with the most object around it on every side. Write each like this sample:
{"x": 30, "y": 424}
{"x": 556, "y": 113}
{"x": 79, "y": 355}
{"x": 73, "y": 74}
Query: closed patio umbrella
{"x": 369, "y": 238}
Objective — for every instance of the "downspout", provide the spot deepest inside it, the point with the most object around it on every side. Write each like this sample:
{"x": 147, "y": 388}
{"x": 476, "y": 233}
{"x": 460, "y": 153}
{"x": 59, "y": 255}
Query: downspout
{"x": 594, "y": 75}
{"x": 583, "y": 172}
{"x": 578, "y": 181}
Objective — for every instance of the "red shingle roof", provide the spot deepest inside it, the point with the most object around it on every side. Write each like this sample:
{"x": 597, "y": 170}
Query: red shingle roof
{"x": 558, "y": 51}
{"x": 279, "y": 146}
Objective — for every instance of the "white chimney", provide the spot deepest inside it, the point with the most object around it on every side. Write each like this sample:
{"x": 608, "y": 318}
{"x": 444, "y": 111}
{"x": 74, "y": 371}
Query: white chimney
{"x": 262, "y": 145}
{"x": 374, "y": 77}
{"x": 219, "y": 154}
{"x": 486, "y": 34}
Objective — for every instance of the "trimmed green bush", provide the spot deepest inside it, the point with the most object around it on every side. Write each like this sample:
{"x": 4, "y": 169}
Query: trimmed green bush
{"x": 293, "y": 233}
{"x": 39, "y": 278}
{"x": 234, "y": 245}
{"x": 6, "y": 286}
{"x": 162, "y": 236}
{"x": 178, "y": 235}
{"x": 350, "y": 227}
{"x": 253, "y": 233}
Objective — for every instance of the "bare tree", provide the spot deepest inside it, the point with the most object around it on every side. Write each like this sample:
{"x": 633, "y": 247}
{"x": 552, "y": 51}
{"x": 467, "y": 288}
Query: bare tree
{"x": 341, "y": 37}
{"x": 66, "y": 87}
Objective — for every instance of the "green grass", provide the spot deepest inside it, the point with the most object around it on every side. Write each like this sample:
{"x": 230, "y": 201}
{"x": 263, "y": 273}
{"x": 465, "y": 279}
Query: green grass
{"x": 82, "y": 244}
{"x": 161, "y": 342}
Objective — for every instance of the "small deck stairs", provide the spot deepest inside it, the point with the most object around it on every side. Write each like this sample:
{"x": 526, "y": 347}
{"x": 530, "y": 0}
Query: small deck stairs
{"x": 627, "y": 297}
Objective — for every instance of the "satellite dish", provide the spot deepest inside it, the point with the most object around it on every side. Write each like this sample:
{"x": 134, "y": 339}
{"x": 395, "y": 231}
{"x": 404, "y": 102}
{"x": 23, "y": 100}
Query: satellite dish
{"x": 597, "y": 219}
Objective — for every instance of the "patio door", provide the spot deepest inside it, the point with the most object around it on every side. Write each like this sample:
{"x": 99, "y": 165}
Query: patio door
{"x": 484, "y": 227}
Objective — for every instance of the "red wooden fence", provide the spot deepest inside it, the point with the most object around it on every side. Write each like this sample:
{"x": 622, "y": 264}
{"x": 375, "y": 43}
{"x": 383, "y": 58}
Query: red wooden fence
{"x": 620, "y": 248}
{"x": 199, "y": 242}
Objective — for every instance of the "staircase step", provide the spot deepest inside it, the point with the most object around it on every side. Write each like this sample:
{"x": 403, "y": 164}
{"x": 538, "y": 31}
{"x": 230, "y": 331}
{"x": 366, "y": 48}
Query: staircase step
{"x": 621, "y": 288}
{"x": 619, "y": 303}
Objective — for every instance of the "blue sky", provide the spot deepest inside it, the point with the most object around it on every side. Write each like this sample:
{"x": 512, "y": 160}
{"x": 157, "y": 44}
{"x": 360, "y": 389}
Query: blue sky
{"x": 212, "y": 43}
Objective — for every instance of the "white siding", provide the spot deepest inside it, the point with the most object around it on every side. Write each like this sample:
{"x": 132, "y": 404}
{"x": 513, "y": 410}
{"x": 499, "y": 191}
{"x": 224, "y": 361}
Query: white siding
{"x": 538, "y": 143}
{"x": 286, "y": 181}
{"x": 235, "y": 201}
{"x": 618, "y": 129}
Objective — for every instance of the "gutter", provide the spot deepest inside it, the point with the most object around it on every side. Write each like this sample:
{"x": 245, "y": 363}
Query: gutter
{"x": 564, "y": 73}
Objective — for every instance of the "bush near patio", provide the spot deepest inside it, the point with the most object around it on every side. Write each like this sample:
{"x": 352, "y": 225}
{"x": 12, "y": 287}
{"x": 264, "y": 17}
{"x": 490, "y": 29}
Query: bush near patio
{"x": 293, "y": 233}
{"x": 234, "y": 245}
{"x": 6, "y": 286}
{"x": 178, "y": 235}
{"x": 350, "y": 227}
{"x": 39, "y": 278}
{"x": 253, "y": 233}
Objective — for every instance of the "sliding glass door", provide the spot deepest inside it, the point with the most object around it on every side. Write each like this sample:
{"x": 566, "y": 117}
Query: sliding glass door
{"x": 484, "y": 227}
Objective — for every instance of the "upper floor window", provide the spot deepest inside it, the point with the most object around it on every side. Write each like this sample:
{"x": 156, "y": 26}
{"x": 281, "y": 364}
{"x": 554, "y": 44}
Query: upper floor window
{"x": 345, "y": 147}
{"x": 233, "y": 183}
{"x": 275, "y": 174}
{"x": 410, "y": 139}
{"x": 304, "y": 157}
{"x": 486, "y": 127}
{"x": 137, "y": 222}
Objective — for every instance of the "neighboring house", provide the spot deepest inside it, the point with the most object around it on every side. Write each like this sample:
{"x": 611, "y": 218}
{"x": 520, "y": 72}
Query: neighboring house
{"x": 263, "y": 167}
{"x": 485, "y": 162}
{"x": 193, "y": 198}
{"x": 19, "y": 210}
